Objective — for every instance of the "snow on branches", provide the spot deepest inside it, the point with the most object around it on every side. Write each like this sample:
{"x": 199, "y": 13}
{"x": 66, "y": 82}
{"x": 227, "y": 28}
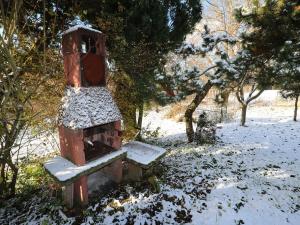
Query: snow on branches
{"x": 210, "y": 42}
{"x": 186, "y": 78}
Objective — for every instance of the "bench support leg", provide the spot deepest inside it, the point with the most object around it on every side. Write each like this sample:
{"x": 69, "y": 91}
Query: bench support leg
{"x": 135, "y": 172}
{"x": 114, "y": 171}
{"x": 68, "y": 195}
{"x": 81, "y": 191}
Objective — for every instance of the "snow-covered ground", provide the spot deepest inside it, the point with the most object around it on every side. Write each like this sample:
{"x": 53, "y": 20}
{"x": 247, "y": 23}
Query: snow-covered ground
{"x": 251, "y": 176}
{"x": 34, "y": 143}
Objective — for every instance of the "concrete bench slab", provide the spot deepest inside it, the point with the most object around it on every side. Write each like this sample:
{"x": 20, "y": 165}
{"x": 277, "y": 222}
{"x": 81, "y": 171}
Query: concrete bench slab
{"x": 65, "y": 172}
{"x": 143, "y": 154}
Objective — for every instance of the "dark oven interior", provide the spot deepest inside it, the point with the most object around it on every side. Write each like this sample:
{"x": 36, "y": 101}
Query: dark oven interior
{"x": 98, "y": 141}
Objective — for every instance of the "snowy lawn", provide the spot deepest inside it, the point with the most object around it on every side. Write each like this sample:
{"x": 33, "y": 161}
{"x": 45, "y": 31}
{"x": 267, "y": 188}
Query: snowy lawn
{"x": 251, "y": 176}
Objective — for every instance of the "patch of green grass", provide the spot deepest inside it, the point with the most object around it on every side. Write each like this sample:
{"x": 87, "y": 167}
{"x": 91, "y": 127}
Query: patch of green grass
{"x": 32, "y": 177}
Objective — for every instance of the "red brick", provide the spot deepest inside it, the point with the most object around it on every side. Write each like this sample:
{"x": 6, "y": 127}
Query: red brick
{"x": 117, "y": 125}
{"x": 71, "y": 145}
{"x": 117, "y": 143}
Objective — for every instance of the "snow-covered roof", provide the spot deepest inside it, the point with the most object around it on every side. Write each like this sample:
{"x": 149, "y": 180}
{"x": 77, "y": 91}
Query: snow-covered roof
{"x": 74, "y": 28}
{"x": 84, "y": 107}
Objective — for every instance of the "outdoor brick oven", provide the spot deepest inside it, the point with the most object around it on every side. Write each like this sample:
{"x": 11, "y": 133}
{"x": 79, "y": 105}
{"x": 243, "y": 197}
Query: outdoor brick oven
{"x": 89, "y": 120}
{"x": 90, "y": 125}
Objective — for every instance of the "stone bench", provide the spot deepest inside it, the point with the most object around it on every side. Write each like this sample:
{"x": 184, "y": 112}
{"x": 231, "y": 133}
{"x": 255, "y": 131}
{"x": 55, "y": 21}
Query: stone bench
{"x": 66, "y": 173}
{"x": 141, "y": 157}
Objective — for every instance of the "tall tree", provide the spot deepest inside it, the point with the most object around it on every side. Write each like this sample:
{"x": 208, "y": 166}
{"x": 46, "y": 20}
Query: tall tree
{"x": 273, "y": 38}
{"x": 139, "y": 34}
{"x": 219, "y": 14}
{"x": 188, "y": 79}
{"x": 249, "y": 72}
{"x": 288, "y": 75}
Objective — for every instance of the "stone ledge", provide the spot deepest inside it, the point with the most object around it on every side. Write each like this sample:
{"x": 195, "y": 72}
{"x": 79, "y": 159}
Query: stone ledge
{"x": 65, "y": 172}
{"x": 142, "y": 154}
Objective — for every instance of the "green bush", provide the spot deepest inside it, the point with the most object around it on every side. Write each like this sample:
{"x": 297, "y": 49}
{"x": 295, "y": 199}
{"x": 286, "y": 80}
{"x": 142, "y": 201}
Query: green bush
{"x": 32, "y": 176}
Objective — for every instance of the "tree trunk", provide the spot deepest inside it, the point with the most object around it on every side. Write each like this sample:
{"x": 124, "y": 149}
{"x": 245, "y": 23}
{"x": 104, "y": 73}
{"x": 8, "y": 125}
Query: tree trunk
{"x": 2, "y": 178}
{"x": 12, "y": 186}
{"x": 296, "y": 107}
{"x": 225, "y": 96}
{"x": 191, "y": 109}
{"x": 8, "y": 189}
{"x": 127, "y": 103}
{"x": 244, "y": 113}
{"x": 140, "y": 121}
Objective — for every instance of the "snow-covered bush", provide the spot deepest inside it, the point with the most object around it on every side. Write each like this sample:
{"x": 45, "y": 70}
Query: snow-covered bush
{"x": 205, "y": 131}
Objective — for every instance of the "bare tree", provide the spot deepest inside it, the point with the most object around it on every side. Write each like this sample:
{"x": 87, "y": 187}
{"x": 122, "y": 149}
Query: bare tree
{"x": 245, "y": 100}
{"x": 13, "y": 97}
{"x": 23, "y": 71}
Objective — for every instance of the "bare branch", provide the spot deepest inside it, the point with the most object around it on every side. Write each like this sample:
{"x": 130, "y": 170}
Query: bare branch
{"x": 255, "y": 96}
